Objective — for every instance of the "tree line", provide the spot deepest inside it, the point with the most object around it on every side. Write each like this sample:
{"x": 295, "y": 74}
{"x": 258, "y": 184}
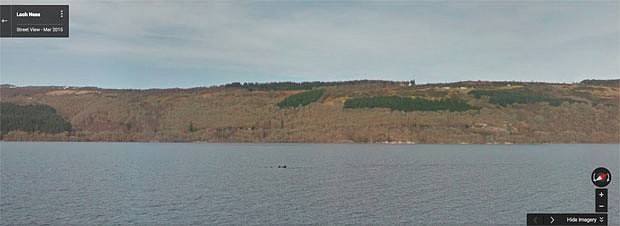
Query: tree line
{"x": 31, "y": 118}
{"x": 400, "y": 103}
{"x": 601, "y": 82}
{"x": 276, "y": 86}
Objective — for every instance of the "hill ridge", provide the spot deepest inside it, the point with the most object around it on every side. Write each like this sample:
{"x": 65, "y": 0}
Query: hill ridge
{"x": 499, "y": 112}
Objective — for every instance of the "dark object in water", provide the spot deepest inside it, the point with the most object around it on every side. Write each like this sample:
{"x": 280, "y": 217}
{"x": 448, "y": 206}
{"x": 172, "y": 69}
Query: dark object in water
{"x": 283, "y": 167}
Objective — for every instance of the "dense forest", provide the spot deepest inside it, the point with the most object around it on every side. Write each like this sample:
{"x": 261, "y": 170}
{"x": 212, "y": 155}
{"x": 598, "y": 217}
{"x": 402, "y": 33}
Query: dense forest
{"x": 408, "y": 104}
{"x": 518, "y": 96}
{"x": 301, "y": 99}
{"x": 31, "y": 118}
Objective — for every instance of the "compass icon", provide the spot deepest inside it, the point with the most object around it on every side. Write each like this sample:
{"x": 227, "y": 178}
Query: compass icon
{"x": 601, "y": 177}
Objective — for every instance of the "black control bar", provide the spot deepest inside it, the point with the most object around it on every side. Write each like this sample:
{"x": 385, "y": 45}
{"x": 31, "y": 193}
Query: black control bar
{"x": 34, "y": 21}
{"x": 566, "y": 219}
{"x": 600, "y": 200}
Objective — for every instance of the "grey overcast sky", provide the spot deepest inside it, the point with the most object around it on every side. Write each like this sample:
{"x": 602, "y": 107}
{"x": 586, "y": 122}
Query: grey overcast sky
{"x": 144, "y": 44}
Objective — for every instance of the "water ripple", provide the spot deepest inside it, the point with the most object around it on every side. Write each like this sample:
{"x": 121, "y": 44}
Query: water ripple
{"x": 87, "y": 183}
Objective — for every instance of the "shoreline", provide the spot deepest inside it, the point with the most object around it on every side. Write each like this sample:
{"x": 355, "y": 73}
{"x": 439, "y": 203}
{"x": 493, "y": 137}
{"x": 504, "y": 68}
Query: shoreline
{"x": 294, "y": 143}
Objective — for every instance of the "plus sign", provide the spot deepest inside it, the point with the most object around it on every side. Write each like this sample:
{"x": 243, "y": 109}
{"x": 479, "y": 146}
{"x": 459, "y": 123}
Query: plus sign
{"x": 601, "y": 194}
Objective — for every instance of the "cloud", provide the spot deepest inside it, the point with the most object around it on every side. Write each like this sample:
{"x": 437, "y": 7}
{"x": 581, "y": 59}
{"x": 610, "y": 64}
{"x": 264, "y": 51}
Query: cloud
{"x": 332, "y": 41}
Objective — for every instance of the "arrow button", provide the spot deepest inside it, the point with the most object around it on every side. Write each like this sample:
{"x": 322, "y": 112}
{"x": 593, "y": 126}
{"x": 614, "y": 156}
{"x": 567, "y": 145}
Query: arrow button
{"x": 535, "y": 219}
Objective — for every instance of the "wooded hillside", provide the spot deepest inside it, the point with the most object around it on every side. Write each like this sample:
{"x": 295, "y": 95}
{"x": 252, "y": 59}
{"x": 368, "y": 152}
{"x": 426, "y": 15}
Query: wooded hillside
{"x": 31, "y": 118}
{"x": 353, "y": 111}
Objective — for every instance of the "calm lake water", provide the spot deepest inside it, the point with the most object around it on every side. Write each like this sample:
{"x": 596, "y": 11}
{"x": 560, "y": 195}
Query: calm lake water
{"x": 148, "y": 183}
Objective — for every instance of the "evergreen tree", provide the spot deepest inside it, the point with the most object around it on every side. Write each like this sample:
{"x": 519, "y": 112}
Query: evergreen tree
{"x": 408, "y": 104}
{"x": 31, "y": 118}
{"x": 301, "y": 99}
{"x": 518, "y": 96}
